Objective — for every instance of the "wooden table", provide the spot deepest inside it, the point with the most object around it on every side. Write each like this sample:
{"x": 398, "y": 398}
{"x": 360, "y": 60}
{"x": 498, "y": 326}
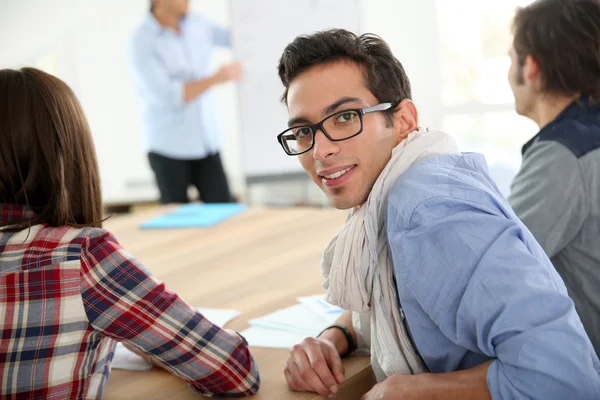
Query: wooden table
{"x": 256, "y": 262}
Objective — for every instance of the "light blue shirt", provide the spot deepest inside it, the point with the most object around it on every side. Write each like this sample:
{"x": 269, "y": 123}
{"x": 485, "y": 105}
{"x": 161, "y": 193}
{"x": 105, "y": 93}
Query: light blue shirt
{"x": 476, "y": 286}
{"x": 163, "y": 61}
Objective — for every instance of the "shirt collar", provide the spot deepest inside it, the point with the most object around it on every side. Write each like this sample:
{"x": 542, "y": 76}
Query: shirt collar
{"x": 575, "y": 110}
{"x": 153, "y": 23}
{"x": 14, "y": 212}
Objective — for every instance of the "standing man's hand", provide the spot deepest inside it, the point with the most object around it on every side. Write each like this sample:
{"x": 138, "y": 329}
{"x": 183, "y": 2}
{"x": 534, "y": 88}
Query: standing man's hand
{"x": 229, "y": 72}
{"x": 315, "y": 365}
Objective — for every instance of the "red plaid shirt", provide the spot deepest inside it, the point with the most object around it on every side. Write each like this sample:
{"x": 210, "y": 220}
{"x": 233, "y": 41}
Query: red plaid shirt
{"x": 67, "y": 295}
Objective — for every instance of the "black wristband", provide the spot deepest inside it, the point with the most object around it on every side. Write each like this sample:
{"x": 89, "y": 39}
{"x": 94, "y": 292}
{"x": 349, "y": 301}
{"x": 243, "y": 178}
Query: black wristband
{"x": 349, "y": 338}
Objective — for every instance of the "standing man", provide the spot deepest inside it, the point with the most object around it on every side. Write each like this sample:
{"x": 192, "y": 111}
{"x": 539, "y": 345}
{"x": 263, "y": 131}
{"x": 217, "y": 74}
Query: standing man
{"x": 448, "y": 290}
{"x": 555, "y": 78}
{"x": 170, "y": 55}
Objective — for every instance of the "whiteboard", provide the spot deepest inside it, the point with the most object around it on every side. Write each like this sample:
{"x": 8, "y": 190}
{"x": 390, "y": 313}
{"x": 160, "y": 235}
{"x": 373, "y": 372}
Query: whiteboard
{"x": 261, "y": 29}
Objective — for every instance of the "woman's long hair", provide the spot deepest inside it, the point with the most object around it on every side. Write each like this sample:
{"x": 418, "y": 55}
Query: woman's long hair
{"x": 47, "y": 155}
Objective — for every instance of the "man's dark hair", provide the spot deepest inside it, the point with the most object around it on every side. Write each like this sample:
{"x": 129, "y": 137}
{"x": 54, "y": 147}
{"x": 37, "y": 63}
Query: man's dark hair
{"x": 563, "y": 36}
{"x": 384, "y": 74}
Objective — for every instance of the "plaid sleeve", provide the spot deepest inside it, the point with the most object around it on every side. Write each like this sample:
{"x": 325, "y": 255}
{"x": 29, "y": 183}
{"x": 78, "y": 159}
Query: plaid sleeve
{"x": 124, "y": 301}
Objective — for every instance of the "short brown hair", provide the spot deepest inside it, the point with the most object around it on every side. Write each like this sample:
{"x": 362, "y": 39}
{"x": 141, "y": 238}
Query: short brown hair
{"x": 385, "y": 76}
{"x": 563, "y": 36}
{"x": 47, "y": 157}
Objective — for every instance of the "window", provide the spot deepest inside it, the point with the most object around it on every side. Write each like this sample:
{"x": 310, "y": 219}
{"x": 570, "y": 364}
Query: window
{"x": 477, "y": 105}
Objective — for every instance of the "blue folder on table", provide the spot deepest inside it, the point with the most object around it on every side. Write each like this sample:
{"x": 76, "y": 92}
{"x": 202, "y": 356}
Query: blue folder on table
{"x": 195, "y": 216}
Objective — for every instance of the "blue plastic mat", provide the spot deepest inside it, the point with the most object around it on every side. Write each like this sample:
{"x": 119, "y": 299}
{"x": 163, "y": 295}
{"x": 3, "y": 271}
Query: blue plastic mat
{"x": 194, "y": 216}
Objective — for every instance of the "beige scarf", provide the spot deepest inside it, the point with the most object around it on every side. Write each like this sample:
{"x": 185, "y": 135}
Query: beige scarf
{"x": 357, "y": 266}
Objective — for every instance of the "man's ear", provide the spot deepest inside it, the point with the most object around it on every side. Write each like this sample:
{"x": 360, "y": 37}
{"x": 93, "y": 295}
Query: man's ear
{"x": 406, "y": 119}
{"x": 532, "y": 73}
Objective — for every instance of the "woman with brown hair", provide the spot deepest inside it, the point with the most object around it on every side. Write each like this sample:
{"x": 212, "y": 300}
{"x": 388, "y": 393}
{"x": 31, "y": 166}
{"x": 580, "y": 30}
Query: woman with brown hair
{"x": 68, "y": 290}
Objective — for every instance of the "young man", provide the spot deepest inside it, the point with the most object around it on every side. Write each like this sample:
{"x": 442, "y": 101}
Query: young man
{"x": 170, "y": 56}
{"x": 466, "y": 296}
{"x": 555, "y": 78}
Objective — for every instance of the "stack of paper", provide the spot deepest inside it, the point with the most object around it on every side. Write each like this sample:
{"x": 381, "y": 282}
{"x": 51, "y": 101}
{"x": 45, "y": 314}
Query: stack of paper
{"x": 289, "y": 326}
{"x": 125, "y": 359}
{"x": 318, "y": 304}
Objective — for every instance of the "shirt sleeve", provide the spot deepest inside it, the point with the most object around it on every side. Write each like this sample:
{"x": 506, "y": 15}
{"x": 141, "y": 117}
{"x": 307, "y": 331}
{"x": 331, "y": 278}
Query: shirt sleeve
{"x": 548, "y": 195}
{"x": 221, "y": 35}
{"x": 468, "y": 268}
{"x": 125, "y": 302}
{"x": 152, "y": 77}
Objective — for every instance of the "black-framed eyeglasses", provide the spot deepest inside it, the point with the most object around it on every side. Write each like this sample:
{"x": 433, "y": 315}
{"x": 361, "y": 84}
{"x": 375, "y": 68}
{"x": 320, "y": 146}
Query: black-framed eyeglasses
{"x": 342, "y": 125}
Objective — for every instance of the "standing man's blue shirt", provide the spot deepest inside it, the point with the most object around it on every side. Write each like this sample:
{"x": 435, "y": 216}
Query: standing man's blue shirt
{"x": 476, "y": 286}
{"x": 163, "y": 61}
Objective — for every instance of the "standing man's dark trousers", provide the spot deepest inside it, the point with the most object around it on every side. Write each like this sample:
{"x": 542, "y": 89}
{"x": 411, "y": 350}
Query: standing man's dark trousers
{"x": 174, "y": 176}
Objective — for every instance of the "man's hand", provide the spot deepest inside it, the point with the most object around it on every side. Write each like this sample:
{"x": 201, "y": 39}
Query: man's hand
{"x": 468, "y": 384}
{"x": 226, "y": 73}
{"x": 404, "y": 387}
{"x": 229, "y": 72}
{"x": 315, "y": 366}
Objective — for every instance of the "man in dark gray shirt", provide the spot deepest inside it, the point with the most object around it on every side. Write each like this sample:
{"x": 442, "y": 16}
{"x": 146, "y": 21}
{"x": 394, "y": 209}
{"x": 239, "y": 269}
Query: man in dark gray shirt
{"x": 555, "y": 78}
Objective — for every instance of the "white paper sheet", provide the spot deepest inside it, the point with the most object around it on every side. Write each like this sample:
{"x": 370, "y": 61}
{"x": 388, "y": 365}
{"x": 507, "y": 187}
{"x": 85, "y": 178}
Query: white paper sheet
{"x": 125, "y": 359}
{"x": 318, "y": 304}
{"x": 272, "y": 338}
{"x": 297, "y": 318}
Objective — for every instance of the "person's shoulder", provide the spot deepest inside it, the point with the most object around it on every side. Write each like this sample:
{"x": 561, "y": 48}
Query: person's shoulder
{"x": 69, "y": 234}
{"x": 73, "y": 242}
{"x": 142, "y": 35}
{"x": 94, "y": 238}
{"x": 445, "y": 179}
{"x": 545, "y": 153}
{"x": 578, "y": 135}
{"x": 99, "y": 248}
{"x": 425, "y": 179}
